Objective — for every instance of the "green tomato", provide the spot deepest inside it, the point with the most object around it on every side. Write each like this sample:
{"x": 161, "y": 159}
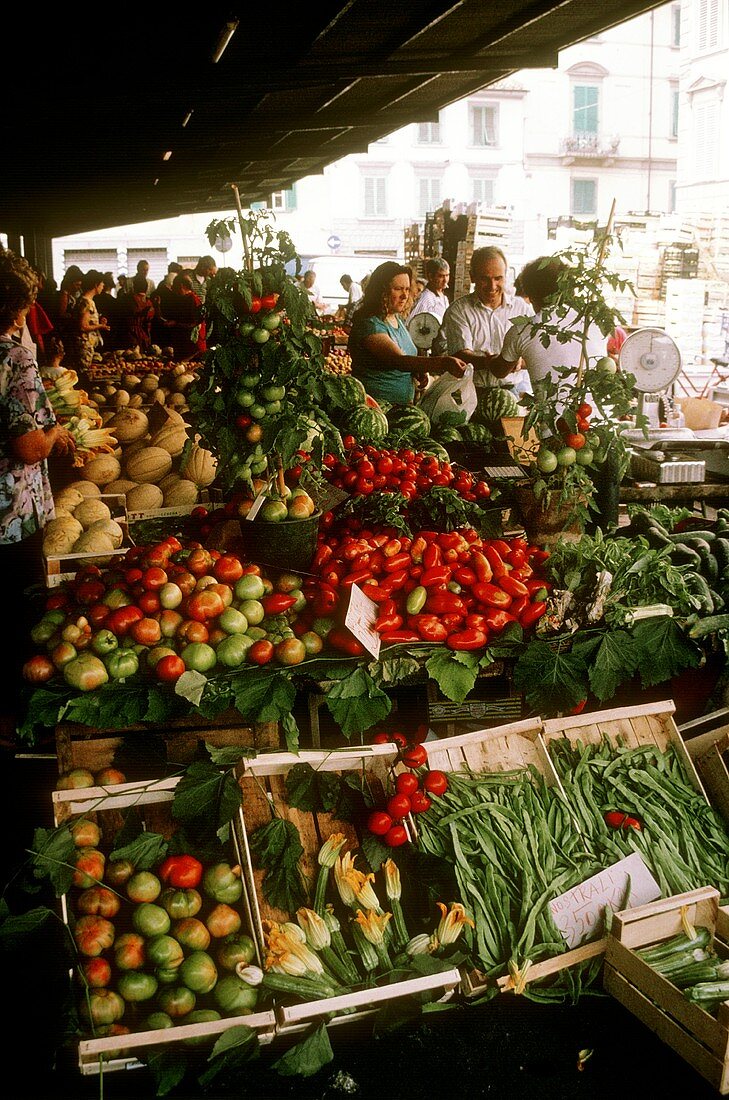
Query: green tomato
{"x": 231, "y": 652}
{"x": 234, "y": 997}
{"x": 104, "y": 641}
{"x": 584, "y": 456}
{"x": 273, "y": 393}
{"x": 199, "y": 656}
{"x": 249, "y": 381}
{"x": 222, "y": 883}
{"x": 121, "y": 663}
{"x": 198, "y": 972}
{"x": 233, "y": 621}
{"x": 151, "y": 920}
{"x": 246, "y": 328}
{"x": 258, "y": 412}
{"x": 136, "y": 986}
{"x": 567, "y": 456}
{"x": 249, "y": 587}
{"x": 273, "y": 407}
{"x": 85, "y": 672}
{"x": 260, "y": 335}
{"x": 546, "y": 460}
{"x": 257, "y": 633}
{"x": 607, "y": 365}
{"x": 245, "y": 398}
{"x": 270, "y": 322}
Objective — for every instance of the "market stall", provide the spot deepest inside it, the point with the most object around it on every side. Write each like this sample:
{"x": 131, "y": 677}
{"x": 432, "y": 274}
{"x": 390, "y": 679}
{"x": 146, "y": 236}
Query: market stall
{"x": 245, "y": 691}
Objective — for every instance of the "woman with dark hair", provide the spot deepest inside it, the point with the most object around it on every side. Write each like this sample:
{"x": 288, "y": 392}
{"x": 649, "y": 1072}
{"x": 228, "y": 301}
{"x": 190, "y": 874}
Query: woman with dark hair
{"x": 28, "y": 434}
{"x": 182, "y": 316}
{"x": 85, "y": 336}
{"x": 384, "y": 357}
{"x": 69, "y": 293}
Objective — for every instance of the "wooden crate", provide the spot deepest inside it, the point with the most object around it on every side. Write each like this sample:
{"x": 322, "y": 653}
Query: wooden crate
{"x": 698, "y": 1037}
{"x": 262, "y": 782}
{"x": 709, "y": 752}
{"x": 81, "y": 746}
{"x": 650, "y": 723}
{"x": 505, "y": 748}
{"x": 152, "y": 801}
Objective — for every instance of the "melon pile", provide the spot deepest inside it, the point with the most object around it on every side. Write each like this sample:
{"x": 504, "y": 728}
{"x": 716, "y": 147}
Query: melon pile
{"x": 145, "y": 388}
{"x": 147, "y": 467}
{"x": 83, "y": 524}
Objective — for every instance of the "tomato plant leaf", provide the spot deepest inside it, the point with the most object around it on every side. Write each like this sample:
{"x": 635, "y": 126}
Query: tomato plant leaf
{"x": 307, "y": 1057}
{"x": 206, "y": 792}
{"x": 227, "y": 756}
{"x": 553, "y": 682}
{"x": 145, "y": 851}
{"x": 374, "y": 851}
{"x": 167, "y": 1068}
{"x": 454, "y": 676}
{"x": 663, "y": 649}
{"x": 276, "y": 848}
{"x": 357, "y": 703}
{"x": 53, "y": 857}
{"x": 314, "y": 791}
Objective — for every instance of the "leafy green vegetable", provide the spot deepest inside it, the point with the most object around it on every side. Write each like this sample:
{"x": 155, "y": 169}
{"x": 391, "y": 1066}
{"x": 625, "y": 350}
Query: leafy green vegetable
{"x": 357, "y": 703}
{"x": 616, "y": 658}
{"x": 664, "y": 649}
{"x": 146, "y": 851}
{"x": 15, "y": 930}
{"x": 553, "y": 680}
{"x": 264, "y": 697}
{"x": 444, "y": 509}
{"x": 233, "y": 1049}
{"x": 307, "y": 1057}
{"x": 276, "y": 848}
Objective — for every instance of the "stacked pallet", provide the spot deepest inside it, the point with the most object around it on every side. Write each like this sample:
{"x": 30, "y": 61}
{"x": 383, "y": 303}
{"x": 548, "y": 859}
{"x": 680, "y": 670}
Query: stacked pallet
{"x": 684, "y": 316}
{"x": 411, "y": 247}
{"x": 485, "y": 225}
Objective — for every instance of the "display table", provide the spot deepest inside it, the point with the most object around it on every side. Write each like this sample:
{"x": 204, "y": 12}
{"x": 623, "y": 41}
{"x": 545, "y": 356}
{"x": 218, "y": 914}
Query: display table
{"x": 641, "y": 492}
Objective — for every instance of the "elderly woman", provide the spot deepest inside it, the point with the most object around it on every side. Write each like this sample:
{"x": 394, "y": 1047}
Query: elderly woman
{"x": 384, "y": 357}
{"x": 28, "y": 434}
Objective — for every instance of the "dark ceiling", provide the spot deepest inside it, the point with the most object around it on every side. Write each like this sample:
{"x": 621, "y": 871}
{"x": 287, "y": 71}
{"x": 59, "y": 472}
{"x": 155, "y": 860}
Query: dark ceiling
{"x": 95, "y": 99}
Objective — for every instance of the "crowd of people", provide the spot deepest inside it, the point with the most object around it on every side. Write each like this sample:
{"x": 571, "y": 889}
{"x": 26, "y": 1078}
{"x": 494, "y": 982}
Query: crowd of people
{"x": 95, "y": 311}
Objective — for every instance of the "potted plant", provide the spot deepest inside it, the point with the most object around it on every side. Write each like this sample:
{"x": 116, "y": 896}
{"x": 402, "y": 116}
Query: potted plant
{"x": 571, "y": 443}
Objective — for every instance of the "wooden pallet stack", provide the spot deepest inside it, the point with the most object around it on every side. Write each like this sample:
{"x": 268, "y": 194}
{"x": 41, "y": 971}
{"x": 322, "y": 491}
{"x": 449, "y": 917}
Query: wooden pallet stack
{"x": 486, "y": 225}
{"x": 411, "y": 248}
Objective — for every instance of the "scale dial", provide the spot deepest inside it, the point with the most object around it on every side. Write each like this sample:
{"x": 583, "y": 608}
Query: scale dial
{"x": 423, "y": 329}
{"x": 652, "y": 356}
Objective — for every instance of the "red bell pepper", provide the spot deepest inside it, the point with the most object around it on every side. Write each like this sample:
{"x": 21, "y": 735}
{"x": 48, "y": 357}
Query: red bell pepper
{"x": 452, "y": 622}
{"x": 482, "y": 568}
{"x": 518, "y": 605}
{"x": 386, "y": 622}
{"x": 476, "y": 621}
{"x": 392, "y": 547}
{"x": 497, "y": 619}
{"x": 501, "y": 546}
{"x": 394, "y": 581}
{"x": 325, "y": 601}
{"x": 465, "y": 576}
{"x": 323, "y": 555}
{"x": 375, "y": 592}
{"x": 393, "y": 636}
{"x": 536, "y": 554}
{"x": 358, "y": 577}
{"x": 398, "y": 562}
{"x": 431, "y": 629}
{"x": 417, "y": 549}
{"x": 491, "y": 595}
{"x": 467, "y": 639}
{"x": 445, "y": 603}
{"x": 344, "y": 641}
{"x": 431, "y": 556}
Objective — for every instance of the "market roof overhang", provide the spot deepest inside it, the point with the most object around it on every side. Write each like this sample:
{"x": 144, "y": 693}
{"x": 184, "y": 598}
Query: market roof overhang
{"x": 120, "y": 115}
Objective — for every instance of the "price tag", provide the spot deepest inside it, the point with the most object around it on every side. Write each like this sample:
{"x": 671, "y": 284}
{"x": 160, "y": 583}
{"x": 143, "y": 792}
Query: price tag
{"x": 328, "y": 497}
{"x": 256, "y": 506}
{"x": 360, "y": 619}
{"x": 579, "y": 914}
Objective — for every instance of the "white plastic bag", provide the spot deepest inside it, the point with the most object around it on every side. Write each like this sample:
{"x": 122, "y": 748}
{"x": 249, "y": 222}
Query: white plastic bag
{"x": 449, "y": 394}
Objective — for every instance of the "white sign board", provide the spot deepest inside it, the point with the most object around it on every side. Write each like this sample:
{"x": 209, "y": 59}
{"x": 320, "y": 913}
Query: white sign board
{"x": 360, "y": 619}
{"x": 256, "y": 506}
{"x": 579, "y": 914}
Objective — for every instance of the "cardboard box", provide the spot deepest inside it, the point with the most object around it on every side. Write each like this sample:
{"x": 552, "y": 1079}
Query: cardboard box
{"x": 107, "y": 806}
{"x": 698, "y": 1037}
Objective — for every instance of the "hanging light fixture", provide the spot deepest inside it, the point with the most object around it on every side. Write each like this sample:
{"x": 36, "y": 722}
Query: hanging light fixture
{"x": 224, "y": 38}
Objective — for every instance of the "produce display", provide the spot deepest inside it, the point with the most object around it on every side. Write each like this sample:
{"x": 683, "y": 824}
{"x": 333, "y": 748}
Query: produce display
{"x": 690, "y": 962}
{"x": 338, "y": 361}
{"x": 131, "y": 360}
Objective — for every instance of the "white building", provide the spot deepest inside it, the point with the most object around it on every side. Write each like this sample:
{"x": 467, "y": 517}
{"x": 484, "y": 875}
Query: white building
{"x": 545, "y": 144}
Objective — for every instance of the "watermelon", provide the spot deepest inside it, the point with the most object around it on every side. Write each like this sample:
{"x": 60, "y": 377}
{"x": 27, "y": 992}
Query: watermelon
{"x": 352, "y": 391}
{"x": 367, "y": 425}
{"x": 409, "y": 422}
{"x": 430, "y": 447}
{"x": 476, "y": 433}
{"x": 451, "y": 435}
{"x": 493, "y": 403}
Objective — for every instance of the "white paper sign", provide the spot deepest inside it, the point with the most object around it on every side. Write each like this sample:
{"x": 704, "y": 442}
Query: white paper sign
{"x": 360, "y": 619}
{"x": 579, "y": 914}
{"x": 256, "y": 506}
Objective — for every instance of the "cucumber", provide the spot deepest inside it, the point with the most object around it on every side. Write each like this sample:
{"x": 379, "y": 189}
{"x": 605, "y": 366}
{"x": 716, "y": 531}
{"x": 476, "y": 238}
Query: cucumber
{"x": 712, "y": 624}
{"x": 720, "y": 550}
{"x": 690, "y": 537}
{"x": 685, "y": 555}
{"x": 700, "y": 589}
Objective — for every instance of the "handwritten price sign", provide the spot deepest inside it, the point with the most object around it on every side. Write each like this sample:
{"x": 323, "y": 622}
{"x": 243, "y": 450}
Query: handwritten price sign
{"x": 360, "y": 618}
{"x": 579, "y": 914}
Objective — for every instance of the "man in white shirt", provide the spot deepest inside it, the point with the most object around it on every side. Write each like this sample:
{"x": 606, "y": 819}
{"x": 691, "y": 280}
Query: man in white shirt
{"x": 433, "y": 298}
{"x": 474, "y": 326}
{"x": 354, "y": 294}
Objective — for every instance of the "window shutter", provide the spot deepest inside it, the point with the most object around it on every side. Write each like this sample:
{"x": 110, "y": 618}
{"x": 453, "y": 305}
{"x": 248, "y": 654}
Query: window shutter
{"x": 585, "y": 108}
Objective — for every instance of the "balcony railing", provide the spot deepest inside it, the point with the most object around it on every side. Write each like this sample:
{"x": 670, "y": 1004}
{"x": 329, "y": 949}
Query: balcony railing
{"x": 589, "y": 145}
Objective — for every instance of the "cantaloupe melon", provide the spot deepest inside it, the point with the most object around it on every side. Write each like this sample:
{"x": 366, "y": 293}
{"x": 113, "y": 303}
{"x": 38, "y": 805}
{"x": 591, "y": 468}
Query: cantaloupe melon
{"x": 122, "y": 485}
{"x": 182, "y": 493}
{"x": 101, "y": 469}
{"x": 144, "y": 498}
{"x": 200, "y": 466}
{"x": 67, "y": 499}
{"x": 149, "y": 465}
{"x": 111, "y": 528}
{"x": 172, "y": 437}
{"x": 91, "y": 511}
{"x": 129, "y": 424}
{"x": 85, "y": 488}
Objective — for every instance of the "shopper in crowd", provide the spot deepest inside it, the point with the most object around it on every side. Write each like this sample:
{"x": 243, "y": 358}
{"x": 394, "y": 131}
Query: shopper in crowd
{"x": 161, "y": 299}
{"x": 39, "y": 324}
{"x": 143, "y": 272}
{"x": 28, "y": 435}
{"x": 311, "y": 287}
{"x": 540, "y": 280}
{"x": 122, "y": 281}
{"x": 68, "y": 294}
{"x": 87, "y": 329}
{"x": 354, "y": 294}
{"x": 202, "y": 275}
{"x": 107, "y": 306}
{"x": 474, "y": 326}
{"x": 48, "y": 297}
{"x": 135, "y": 316}
{"x": 182, "y": 317}
{"x": 384, "y": 357}
{"x": 433, "y": 298}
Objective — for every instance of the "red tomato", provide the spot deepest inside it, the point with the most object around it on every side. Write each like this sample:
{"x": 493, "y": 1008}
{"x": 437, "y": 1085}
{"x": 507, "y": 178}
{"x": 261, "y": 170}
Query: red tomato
{"x": 584, "y": 409}
{"x": 349, "y": 442}
{"x": 436, "y": 782}
{"x": 154, "y": 578}
{"x": 379, "y": 822}
{"x": 261, "y": 652}
{"x": 148, "y": 602}
{"x": 146, "y": 631}
{"x": 388, "y": 738}
{"x": 419, "y": 802}
{"x": 169, "y": 668}
{"x": 575, "y": 440}
{"x": 191, "y": 631}
{"x": 414, "y": 756}
{"x": 398, "y": 806}
{"x": 406, "y": 783}
{"x": 38, "y": 669}
{"x": 121, "y": 618}
{"x": 396, "y": 836}
{"x": 228, "y": 569}
{"x": 204, "y": 605}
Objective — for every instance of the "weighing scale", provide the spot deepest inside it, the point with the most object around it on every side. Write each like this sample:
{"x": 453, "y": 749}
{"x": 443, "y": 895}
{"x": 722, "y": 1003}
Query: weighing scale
{"x": 670, "y": 454}
{"x": 423, "y": 329}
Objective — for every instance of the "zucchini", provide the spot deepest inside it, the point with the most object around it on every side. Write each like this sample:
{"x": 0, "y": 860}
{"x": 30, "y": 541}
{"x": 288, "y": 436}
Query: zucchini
{"x": 708, "y": 993}
{"x": 675, "y": 946}
{"x": 711, "y": 624}
{"x": 685, "y": 555}
{"x": 720, "y": 550}
{"x": 690, "y": 537}
{"x": 710, "y": 970}
{"x": 699, "y": 587}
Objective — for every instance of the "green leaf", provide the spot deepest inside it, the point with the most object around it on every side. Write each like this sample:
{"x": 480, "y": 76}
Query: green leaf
{"x": 54, "y": 853}
{"x": 308, "y": 1056}
{"x": 132, "y": 827}
{"x": 228, "y": 1058}
{"x": 663, "y": 649}
{"x": 616, "y": 660}
{"x": 206, "y": 792}
{"x": 357, "y": 703}
{"x": 276, "y": 848}
{"x": 454, "y": 676}
{"x": 394, "y": 670}
{"x": 228, "y": 756}
{"x": 314, "y": 791}
{"x": 396, "y": 1014}
{"x": 167, "y": 1069}
{"x": 290, "y": 732}
{"x": 265, "y": 697}
{"x": 191, "y": 686}
{"x": 238, "y": 1038}
{"x": 374, "y": 851}
{"x": 147, "y": 851}
{"x": 15, "y": 930}
{"x": 553, "y": 682}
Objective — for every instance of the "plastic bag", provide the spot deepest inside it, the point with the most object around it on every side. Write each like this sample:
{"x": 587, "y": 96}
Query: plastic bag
{"x": 449, "y": 394}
